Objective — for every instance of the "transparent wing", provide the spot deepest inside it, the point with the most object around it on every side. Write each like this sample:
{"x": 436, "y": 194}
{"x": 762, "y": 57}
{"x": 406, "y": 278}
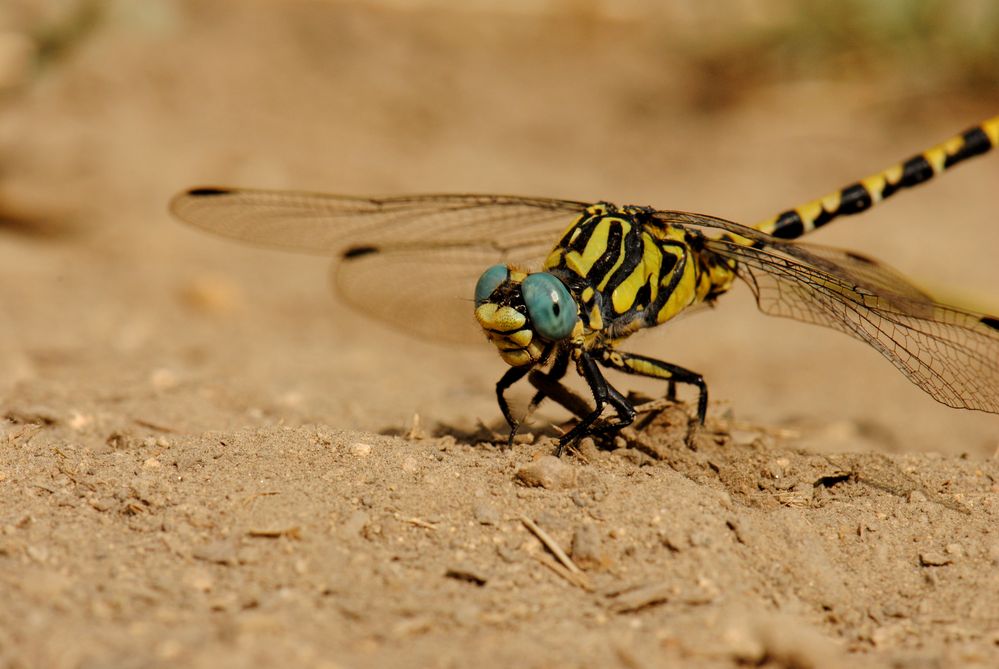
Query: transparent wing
{"x": 426, "y": 292}
{"x": 950, "y": 353}
{"x": 411, "y": 261}
{"x": 340, "y": 225}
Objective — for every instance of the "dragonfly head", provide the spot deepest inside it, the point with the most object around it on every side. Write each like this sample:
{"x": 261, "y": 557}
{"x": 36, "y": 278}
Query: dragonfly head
{"x": 522, "y": 313}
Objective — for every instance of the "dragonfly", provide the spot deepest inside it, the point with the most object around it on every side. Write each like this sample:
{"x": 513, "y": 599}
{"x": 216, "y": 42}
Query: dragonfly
{"x": 416, "y": 261}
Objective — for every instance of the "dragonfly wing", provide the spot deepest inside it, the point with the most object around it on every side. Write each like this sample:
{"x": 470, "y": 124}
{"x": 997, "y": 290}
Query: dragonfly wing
{"x": 336, "y": 224}
{"x": 950, "y": 353}
{"x": 865, "y": 271}
{"x": 423, "y": 292}
{"x": 410, "y": 261}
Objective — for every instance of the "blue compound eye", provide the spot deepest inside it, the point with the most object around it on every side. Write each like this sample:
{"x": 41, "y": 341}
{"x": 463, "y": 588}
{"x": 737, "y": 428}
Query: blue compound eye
{"x": 551, "y": 307}
{"x": 490, "y": 281}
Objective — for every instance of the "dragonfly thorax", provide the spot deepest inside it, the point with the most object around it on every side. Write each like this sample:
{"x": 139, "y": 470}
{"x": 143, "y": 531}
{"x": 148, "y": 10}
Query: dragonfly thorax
{"x": 523, "y": 314}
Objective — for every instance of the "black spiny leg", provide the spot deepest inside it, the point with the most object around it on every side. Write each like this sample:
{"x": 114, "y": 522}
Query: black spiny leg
{"x": 641, "y": 365}
{"x": 603, "y": 393}
{"x": 511, "y": 377}
{"x": 625, "y": 412}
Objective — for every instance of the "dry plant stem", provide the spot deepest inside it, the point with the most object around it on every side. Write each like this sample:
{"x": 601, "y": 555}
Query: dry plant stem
{"x": 551, "y": 545}
{"x": 417, "y": 522}
{"x": 578, "y": 580}
{"x": 289, "y": 532}
{"x": 641, "y": 597}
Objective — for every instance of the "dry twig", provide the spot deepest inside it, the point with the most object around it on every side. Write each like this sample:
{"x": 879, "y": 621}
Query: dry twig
{"x": 551, "y": 545}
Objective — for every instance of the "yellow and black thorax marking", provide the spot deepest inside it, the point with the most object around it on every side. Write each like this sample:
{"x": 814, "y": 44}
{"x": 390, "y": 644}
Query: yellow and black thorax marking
{"x": 628, "y": 270}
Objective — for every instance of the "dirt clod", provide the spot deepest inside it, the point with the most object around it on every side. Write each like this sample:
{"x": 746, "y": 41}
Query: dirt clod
{"x": 588, "y": 549}
{"x": 934, "y": 559}
{"x": 549, "y": 472}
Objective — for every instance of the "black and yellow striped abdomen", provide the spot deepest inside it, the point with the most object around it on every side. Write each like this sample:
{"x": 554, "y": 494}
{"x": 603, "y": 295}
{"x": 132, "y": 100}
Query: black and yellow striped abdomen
{"x": 629, "y": 271}
{"x": 864, "y": 194}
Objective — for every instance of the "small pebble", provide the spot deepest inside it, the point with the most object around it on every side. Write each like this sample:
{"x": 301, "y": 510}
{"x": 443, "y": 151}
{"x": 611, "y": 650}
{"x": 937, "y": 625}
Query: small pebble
{"x": 38, "y": 553}
{"x": 548, "y": 472}
{"x": 360, "y": 449}
{"x": 101, "y": 504}
{"x": 199, "y": 580}
{"x": 672, "y": 540}
{"x": 587, "y": 548}
{"x": 486, "y": 514}
{"x": 934, "y": 559}
{"x": 163, "y": 379}
{"x": 466, "y": 573}
{"x": 217, "y": 552}
{"x": 355, "y": 523}
{"x": 409, "y": 465}
{"x": 700, "y": 539}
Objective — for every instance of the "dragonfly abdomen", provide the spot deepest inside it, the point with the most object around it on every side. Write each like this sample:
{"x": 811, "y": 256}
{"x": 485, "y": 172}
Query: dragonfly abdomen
{"x": 867, "y": 192}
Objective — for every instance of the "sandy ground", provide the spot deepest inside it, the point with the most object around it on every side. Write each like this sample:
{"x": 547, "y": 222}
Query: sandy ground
{"x": 207, "y": 461}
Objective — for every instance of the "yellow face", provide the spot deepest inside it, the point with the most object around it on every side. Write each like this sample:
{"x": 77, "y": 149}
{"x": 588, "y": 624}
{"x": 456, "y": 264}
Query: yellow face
{"x": 523, "y": 314}
{"x": 507, "y": 329}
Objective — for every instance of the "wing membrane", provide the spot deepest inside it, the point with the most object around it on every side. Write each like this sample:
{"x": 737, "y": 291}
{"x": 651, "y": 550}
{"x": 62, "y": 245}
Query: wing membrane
{"x": 333, "y": 224}
{"x": 424, "y": 291}
{"x": 950, "y": 353}
{"x": 410, "y": 261}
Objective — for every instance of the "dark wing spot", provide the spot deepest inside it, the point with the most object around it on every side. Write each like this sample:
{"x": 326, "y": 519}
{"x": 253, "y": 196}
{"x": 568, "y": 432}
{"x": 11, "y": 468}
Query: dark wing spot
{"x": 991, "y": 322}
{"x": 208, "y": 192}
{"x": 358, "y": 251}
{"x": 859, "y": 258}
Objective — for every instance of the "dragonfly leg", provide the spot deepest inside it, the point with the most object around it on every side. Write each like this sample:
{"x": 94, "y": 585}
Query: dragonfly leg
{"x": 511, "y": 376}
{"x": 603, "y": 393}
{"x": 625, "y": 412}
{"x": 514, "y": 374}
{"x": 641, "y": 365}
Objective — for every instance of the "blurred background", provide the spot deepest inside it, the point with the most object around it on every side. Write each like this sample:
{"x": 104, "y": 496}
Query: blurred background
{"x": 110, "y": 312}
